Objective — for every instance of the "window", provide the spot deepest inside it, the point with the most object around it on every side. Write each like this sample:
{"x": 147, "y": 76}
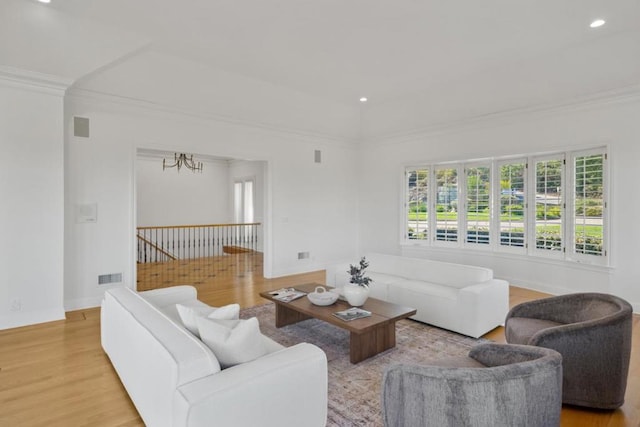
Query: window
{"x": 417, "y": 204}
{"x": 549, "y": 204}
{"x": 512, "y": 204}
{"x": 243, "y": 211}
{"x": 478, "y": 191}
{"x": 588, "y": 204}
{"x": 243, "y": 201}
{"x": 552, "y": 205}
{"x": 446, "y": 204}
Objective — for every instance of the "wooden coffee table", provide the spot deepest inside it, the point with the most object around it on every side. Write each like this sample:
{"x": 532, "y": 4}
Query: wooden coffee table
{"x": 369, "y": 335}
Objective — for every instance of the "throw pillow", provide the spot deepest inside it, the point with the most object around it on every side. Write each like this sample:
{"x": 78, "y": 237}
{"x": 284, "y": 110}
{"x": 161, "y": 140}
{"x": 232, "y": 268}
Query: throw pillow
{"x": 232, "y": 341}
{"x": 226, "y": 312}
{"x": 188, "y": 314}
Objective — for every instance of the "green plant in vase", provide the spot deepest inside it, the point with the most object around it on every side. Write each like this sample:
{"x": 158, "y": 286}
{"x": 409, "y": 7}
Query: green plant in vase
{"x": 357, "y": 273}
{"x": 357, "y": 291}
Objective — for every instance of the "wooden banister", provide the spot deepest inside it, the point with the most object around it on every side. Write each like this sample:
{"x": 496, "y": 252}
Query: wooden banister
{"x": 161, "y": 227}
{"x": 171, "y": 242}
{"x": 157, "y": 248}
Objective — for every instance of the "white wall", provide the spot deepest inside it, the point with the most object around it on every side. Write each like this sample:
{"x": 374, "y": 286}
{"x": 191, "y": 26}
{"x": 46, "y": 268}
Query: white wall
{"x": 614, "y": 122}
{"x": 312, "y": 207}
{"x": 169, "y": 197}
{"x": 31, "y": 211}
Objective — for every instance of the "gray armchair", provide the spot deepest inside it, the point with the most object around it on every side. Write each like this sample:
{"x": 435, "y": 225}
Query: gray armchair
{"x": 496, "y": 385}
{"x": 591, "y": 331}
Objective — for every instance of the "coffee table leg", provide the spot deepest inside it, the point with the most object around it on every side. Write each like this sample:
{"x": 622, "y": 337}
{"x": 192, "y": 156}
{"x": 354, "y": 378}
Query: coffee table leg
{"x": 377, "y": 340}
{"x": 286, "y": 316}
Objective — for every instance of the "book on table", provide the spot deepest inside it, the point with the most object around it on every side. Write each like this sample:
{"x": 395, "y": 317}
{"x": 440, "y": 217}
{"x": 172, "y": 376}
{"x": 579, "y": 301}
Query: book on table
{"x": 287, "y": 294}
{"x": 352, "y": 314}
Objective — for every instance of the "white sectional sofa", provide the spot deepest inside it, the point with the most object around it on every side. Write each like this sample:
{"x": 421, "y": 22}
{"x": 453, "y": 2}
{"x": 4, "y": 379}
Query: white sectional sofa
{"x": 461, "y": 298}
{"x": 175, "y": 380}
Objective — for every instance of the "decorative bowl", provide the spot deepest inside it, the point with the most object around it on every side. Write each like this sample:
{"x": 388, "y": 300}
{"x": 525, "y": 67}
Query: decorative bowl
{"x": 321, "y": 296}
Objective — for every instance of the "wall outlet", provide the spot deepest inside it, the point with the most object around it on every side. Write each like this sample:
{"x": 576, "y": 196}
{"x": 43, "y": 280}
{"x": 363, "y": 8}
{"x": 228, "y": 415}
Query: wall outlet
{"x": 16, "y": 304}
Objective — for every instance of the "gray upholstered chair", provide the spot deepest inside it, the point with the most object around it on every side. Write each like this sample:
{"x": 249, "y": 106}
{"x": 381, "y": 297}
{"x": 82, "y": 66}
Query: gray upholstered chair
{"x": 495, "y": 385}
{"x": 592, "y": 331}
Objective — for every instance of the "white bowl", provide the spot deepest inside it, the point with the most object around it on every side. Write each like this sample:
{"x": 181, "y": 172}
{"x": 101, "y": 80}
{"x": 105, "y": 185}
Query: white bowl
{"x": 323, "y": 297}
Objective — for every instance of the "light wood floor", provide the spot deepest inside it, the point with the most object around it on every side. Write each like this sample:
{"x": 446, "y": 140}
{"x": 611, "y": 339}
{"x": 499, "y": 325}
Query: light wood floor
{"x": 56, "y": 374}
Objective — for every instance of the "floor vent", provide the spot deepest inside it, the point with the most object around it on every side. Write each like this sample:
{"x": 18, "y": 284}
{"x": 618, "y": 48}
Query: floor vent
{"x": 105, "y": 279}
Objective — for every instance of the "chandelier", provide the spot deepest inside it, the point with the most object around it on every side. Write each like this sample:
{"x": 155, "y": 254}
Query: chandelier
{"x": 182, "y": 159}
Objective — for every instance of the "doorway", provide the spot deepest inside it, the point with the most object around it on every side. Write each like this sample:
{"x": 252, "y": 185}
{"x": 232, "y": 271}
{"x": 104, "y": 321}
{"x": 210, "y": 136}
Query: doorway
{"x": 199, "y": 227}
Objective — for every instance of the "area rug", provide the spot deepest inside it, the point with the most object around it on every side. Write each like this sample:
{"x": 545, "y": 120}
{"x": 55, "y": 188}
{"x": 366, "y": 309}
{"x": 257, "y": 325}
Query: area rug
{"x": 354, "y": 390}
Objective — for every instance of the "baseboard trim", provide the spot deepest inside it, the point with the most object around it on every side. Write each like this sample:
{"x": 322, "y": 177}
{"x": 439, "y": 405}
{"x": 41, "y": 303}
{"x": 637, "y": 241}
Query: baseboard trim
{"x": 27, "y": 318}
{"x": 82, "y": 303}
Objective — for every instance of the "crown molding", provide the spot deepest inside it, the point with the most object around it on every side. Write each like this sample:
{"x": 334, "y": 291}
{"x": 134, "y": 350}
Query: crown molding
{"x": 595, "y": 100}
{"x": 34, "y": 80}
{"x": 144, "y": 105}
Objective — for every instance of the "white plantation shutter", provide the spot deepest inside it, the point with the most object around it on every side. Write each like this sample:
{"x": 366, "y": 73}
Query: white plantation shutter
{"x": 446, "y": 183}
{"x": 548, "y": 201}
{"x": 552, "y": 205}
{"x": 478, "y": 204}
{"x": 417, "y": 202}
{"x": 589, "y": 205}
{"x": 513, "y": 204}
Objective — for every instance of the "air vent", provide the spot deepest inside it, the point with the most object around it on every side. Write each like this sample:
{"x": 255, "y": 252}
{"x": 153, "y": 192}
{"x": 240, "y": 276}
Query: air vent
{"x": 105, "y": 279}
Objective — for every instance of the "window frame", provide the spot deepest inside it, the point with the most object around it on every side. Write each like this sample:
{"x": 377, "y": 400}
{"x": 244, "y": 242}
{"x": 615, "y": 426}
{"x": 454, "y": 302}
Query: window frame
{"x": 404, "y": 216}
{"x": 571, "y": 252}
{"x": 434, "y": 197}
{"x": 521, "y": 250}
{"x": 240, "y": 199}
{"x": 529, "y": 249}
{"x": 464, "y": 220}
{"x": 533, "y": 221}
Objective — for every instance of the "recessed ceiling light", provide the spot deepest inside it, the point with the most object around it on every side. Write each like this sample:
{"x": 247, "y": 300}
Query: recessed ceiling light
{"x": 597, "y": 23}
{"x": 44, "y": 1}
{"x": 363, "y": 99}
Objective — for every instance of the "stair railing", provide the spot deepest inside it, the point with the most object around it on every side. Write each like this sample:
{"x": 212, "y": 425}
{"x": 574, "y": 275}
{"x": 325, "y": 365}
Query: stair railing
{"x": 165, "y": 243}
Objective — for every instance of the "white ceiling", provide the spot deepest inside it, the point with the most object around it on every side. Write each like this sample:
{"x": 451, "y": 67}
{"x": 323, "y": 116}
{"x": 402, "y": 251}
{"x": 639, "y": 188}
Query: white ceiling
{"x": 401, "y": 54}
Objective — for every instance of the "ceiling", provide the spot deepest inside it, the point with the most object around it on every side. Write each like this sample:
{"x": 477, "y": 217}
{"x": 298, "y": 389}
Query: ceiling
{"x": 427, "y": 57}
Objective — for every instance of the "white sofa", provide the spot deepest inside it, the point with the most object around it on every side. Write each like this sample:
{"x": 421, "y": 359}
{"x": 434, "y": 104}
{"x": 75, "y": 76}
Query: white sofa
{"x": 174, "y": 379}
{"x": 461, "y": 298}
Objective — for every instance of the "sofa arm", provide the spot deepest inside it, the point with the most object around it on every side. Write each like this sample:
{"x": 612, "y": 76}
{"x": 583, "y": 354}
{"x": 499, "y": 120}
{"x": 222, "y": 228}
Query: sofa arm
{"x": 536, "y": 309}
{"x": 171, "y": 295}
{"x": 493, "y": 354}
{"x": 484, "y": 306}
{"x": 280, "y": 389}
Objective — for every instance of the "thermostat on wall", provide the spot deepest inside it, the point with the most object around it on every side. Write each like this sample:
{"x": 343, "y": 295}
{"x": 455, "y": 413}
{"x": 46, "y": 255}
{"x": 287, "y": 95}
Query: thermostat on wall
{"x": 86, "y": 213}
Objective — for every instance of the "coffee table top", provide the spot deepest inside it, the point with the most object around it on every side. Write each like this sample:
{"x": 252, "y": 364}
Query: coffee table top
{"x": 381, "y": 311}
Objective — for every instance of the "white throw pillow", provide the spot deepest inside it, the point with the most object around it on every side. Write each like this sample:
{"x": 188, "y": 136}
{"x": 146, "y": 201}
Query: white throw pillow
{"x": 232, "y": 341}
{"x": 226, "y": 312}
{"x": 188, "y": 314}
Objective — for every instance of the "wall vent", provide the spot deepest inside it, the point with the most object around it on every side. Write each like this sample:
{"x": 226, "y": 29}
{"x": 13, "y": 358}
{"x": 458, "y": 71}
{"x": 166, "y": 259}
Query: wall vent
{"x": 105, "y": 279}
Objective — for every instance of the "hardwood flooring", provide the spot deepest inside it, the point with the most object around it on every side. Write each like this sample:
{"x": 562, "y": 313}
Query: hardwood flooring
{"x": 56, "y": 374}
